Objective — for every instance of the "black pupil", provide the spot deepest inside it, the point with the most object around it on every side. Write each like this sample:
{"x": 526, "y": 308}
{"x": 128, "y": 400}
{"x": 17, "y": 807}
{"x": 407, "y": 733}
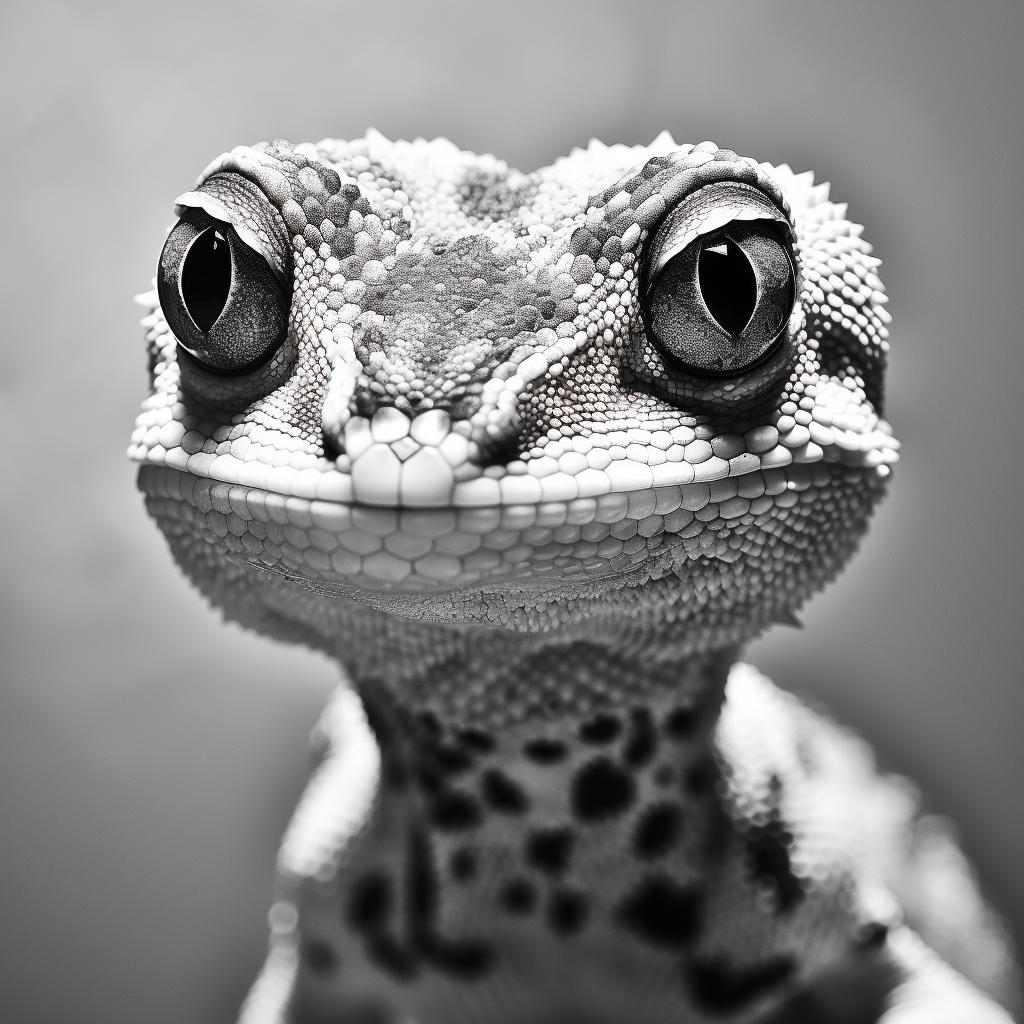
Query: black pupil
{"x": 727, "y": 284}
{"x": 206, "y": 278}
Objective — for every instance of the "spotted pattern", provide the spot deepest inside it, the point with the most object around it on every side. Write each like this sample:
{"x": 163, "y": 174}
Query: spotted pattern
{"x": 719, "y": 987}
{"x": 422, "y": 916}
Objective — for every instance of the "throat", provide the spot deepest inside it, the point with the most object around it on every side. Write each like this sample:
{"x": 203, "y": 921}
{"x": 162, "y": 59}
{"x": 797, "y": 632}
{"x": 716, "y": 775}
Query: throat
{"x": 492, "y": 679}
{"x": 487, "y": 685}
{"x": 551, "y": 743}
{"x": 537, "y": 793}
{"x": 491, "y": 721}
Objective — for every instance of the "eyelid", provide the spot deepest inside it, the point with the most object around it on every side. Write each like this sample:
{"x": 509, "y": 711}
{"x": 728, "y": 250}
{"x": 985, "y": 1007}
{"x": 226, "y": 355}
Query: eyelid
{"x": 704, "y": 212}
{"x": 217, "y": 210}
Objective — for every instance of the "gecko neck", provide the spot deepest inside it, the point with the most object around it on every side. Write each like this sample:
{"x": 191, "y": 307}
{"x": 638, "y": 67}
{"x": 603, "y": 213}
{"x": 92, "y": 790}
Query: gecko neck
{"x": 491, "y": 679}
{"x": 517, "y": 770}
{"x": 445, "y": 704}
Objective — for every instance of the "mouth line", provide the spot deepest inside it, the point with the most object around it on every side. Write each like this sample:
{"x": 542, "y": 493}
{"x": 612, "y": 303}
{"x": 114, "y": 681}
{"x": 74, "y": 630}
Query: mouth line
{"x": 346, "y": 549}
{"x": 423, "y": 478}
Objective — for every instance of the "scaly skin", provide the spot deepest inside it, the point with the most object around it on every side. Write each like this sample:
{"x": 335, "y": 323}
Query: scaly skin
{"x": 479, "y": 435}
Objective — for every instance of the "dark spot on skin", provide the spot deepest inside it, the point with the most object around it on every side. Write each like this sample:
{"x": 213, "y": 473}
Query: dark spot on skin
{"x": 370, "y": 902}
{"x": 462, "y": 865}
{"x": 856, "y": 992}
{"x": 477, "y": 740}
{"x": 430, "y": 776}
{"x": 464, "y": 958}
{"x": 701, "y": 778}
{"x": 422, "y": 885}
{"x": 720, "y": 988}
{"x": 602, "y": 729}
{"x": 518, "y": 896}
{"x": 643, "y": 738}
{"x": 872, "y": 935}
{"x": 681, "y": 723}
{"x": 657, "y": 831}
{"x": 429, "y": 724}
{"x": 451, "y": 760}
{"x": 601, "y": 790}
{"x": 454, "y": 811}
{"x": 543, "y": 751}
{"x": 441, "y": 755}
{"x": 567, "y": 912}
{"x": 467, "y": 959}
{"x": 318, "y": 956}
{"x": 502, "y": 794}
{"x": 395, "y": 767}
{"x": 768, "y": 844}
{"x": 438, "y": 757}
{"x": 550, "y": 850}
{"x": 369, "y": 907}
{"x": 391, "y": 956}
{"x": 663, "y": 912}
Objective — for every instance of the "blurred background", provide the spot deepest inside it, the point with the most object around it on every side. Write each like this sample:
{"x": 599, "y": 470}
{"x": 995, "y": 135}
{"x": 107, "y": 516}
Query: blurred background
{"x": 149, "y": 754}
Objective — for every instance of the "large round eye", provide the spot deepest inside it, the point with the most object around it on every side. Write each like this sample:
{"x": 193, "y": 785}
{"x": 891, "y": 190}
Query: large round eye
{"x": 226, "y": 307}
{"x": 722, "y": 304}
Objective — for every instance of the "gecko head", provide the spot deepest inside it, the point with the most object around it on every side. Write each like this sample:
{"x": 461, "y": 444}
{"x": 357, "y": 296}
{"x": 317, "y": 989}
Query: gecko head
{"x": 643, "y": 380}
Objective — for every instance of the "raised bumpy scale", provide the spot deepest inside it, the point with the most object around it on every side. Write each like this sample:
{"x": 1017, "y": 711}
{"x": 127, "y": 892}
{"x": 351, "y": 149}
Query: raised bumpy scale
{"x": 533, "y": 455}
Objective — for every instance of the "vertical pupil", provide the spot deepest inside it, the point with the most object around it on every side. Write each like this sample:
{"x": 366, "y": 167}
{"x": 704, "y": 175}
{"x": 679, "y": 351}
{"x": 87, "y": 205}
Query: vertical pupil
{"x": 206, "y": 278}
{"x": 727, "y": 285}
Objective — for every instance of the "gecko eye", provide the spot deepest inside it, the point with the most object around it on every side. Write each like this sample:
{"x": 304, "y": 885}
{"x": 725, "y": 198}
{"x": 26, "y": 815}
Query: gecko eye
{"x": 225, "y": 305}
{"x": 721, "y": 305}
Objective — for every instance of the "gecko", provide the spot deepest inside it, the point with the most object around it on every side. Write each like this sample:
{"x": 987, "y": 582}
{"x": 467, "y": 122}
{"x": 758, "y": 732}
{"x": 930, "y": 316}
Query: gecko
{"x": 533, "y": 456}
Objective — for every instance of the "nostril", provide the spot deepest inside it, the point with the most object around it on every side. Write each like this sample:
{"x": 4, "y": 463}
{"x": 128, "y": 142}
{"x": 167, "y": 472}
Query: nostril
{"x": 502, "y": 449}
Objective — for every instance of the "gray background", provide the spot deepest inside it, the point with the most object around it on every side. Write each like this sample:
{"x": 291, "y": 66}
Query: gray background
{"x": 150, "y": 755}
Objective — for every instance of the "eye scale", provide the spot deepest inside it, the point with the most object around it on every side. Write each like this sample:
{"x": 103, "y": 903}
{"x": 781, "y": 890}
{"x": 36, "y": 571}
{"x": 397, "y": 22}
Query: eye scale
{"x": 728, "y": 285}
{"x": 206, "y": 278}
